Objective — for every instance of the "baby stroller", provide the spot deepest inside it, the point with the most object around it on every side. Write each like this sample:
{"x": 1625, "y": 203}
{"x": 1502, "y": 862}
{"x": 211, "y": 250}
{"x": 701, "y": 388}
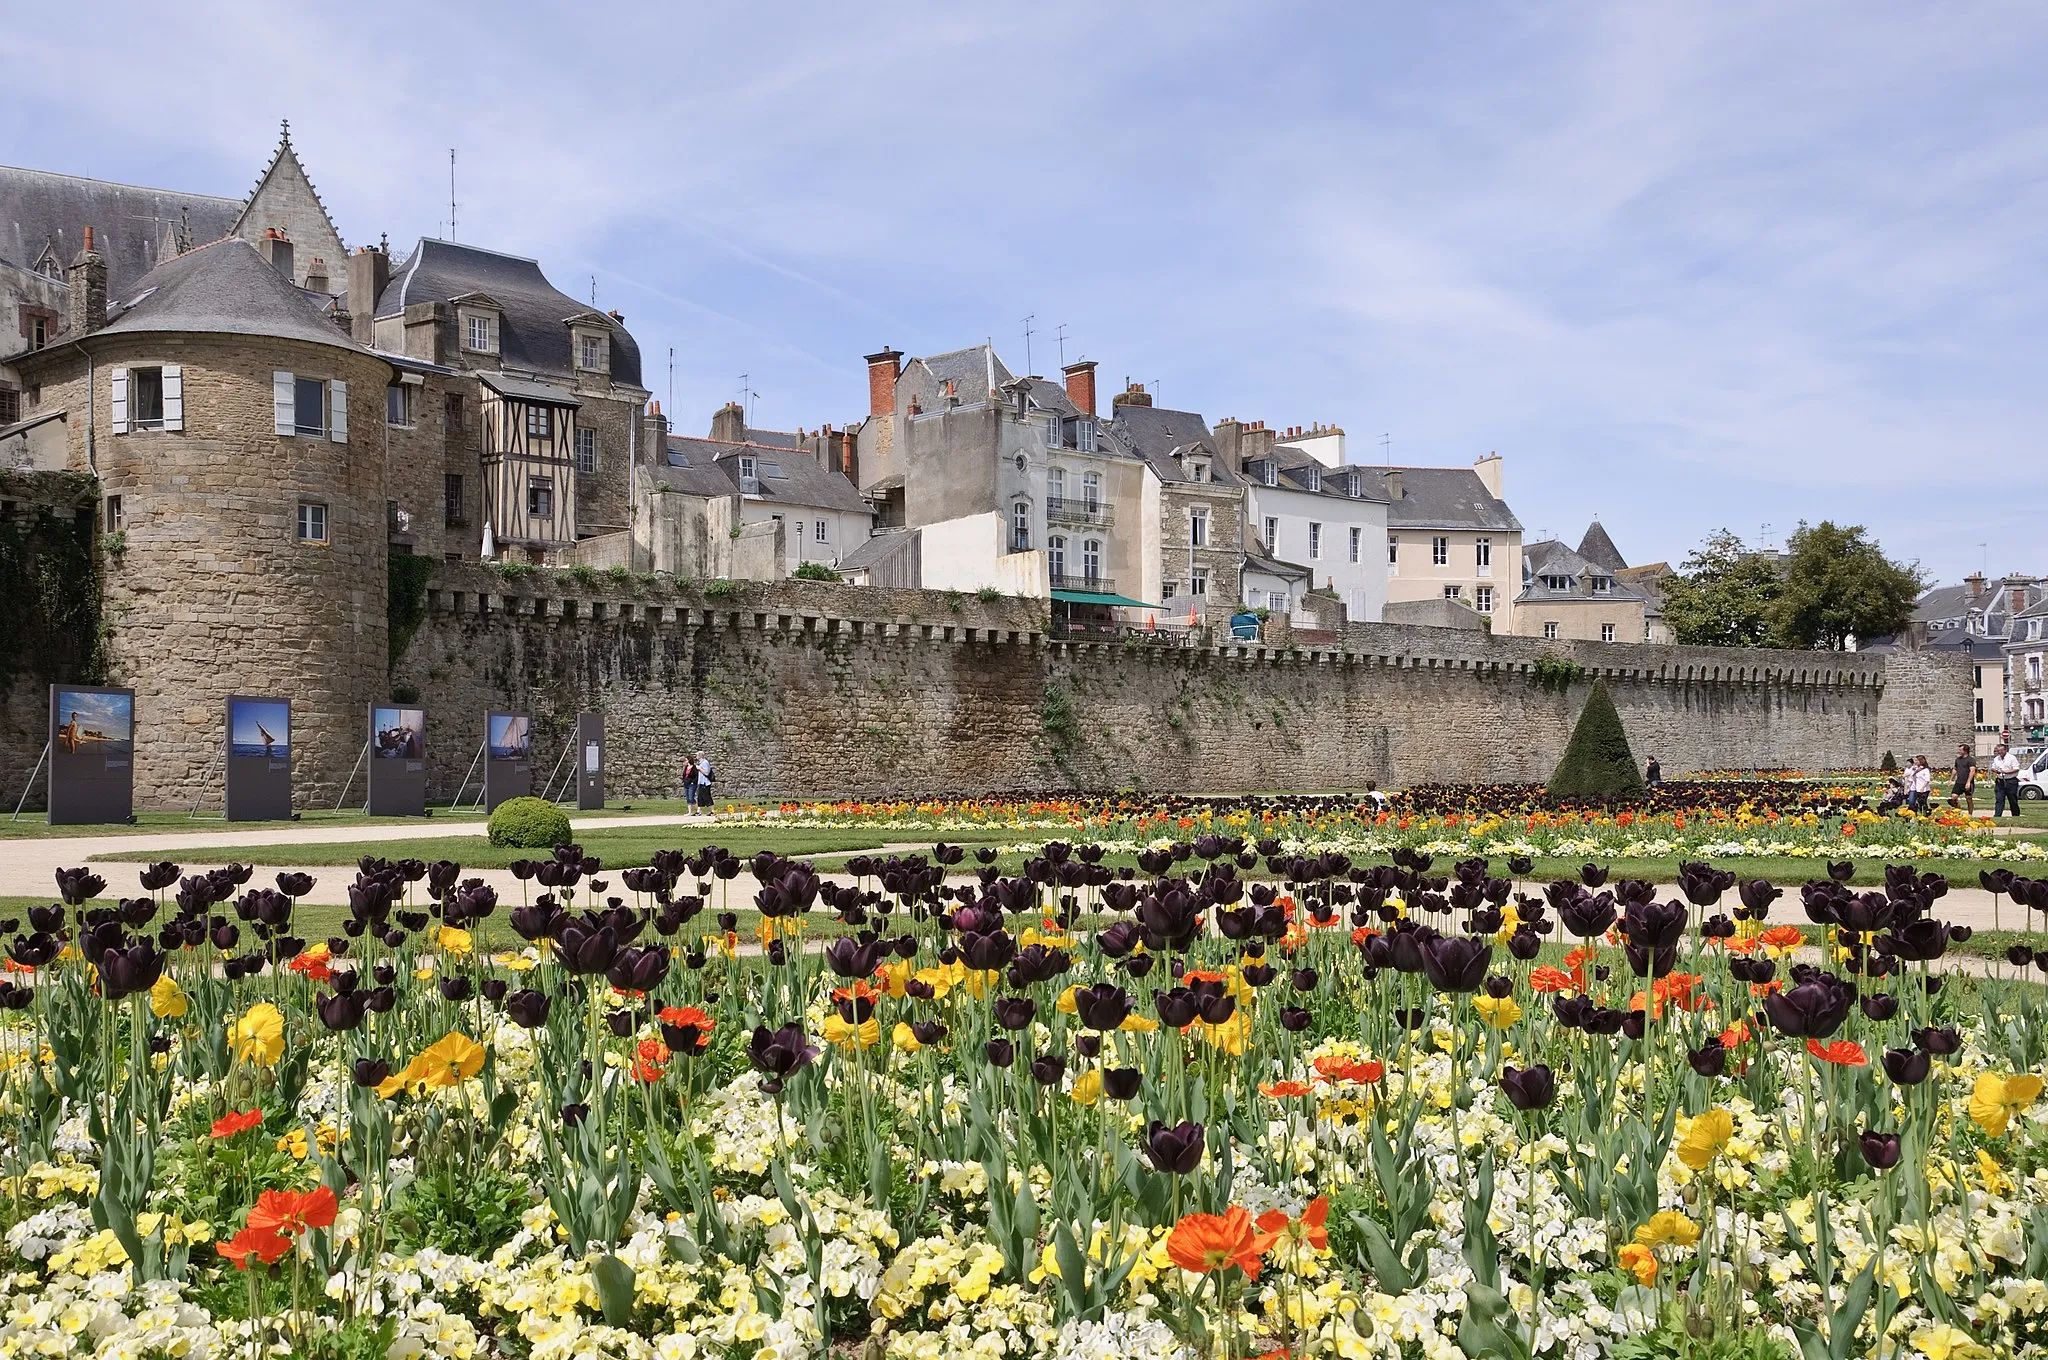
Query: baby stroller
{"x": 1894, "y": 796}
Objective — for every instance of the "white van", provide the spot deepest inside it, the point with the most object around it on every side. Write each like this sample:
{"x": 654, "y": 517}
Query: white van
{"x": 2034, "y": 775}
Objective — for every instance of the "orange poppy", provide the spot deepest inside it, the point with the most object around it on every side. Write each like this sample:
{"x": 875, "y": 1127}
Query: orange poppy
{"x": 1549, "y": 979}
{"x": 1308, "y": 1228}
{"x": 1782, "y": 937}
{"x": 1202, "y": 1243}
{"x": 1281, "y": 1090}
{"x": 1334, "y": 1068}
{"x": 267, "y": 1247}
{"x": 1735, "y": 1035}
{"x": 234, "y": 1122}
{"x": 291, "y": 1212}
{"x": 1842, "y": 1052}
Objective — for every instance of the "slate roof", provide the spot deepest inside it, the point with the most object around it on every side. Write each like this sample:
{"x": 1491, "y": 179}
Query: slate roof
{"x": 226, "y": 288}
{"x": 1552, "y": 558}
{"x": 786, "y": 477}
{"x": 1273, "y": 566}
{"x": 1296, "y": 465}
{"x": 1649, "y": 579}
{"x": 1155, "y": 432}
{"x": 1596, "y": 547}
{"x": 879, "y": 548}
{"x": 1445, "y": 498}
{"x": 40, "y": 208}
{"x": 535, "y": 334}
{"x": 969, "y": 371}
{"x": 691, "y": 471}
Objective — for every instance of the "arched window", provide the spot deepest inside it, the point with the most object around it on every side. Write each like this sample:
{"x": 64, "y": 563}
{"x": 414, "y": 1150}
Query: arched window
{"x": 1091, "y": 559}
{"x": 1020, "y": 527}
{"x": 1056, "y": 557}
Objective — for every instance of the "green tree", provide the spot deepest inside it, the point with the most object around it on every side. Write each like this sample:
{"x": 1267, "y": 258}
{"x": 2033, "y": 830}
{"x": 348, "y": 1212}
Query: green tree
{"x": 1839, "y": 585}
{"x": 1723, "y": 595}
{"x": 1597, "y": 764}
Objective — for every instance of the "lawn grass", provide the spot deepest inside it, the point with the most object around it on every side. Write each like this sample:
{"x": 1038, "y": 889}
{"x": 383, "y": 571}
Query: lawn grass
{"x": 617, "y": 847}
{"x": 31, "y": 825}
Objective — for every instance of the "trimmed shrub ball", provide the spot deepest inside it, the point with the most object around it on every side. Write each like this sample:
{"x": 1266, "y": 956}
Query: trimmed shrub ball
{"x": 529, "y": 823}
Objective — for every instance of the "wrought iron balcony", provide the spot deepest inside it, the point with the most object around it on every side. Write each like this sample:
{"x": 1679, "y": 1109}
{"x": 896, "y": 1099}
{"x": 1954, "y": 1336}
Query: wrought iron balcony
{"x": 1061, "y": 510}
{"x": 1090, "y": 585}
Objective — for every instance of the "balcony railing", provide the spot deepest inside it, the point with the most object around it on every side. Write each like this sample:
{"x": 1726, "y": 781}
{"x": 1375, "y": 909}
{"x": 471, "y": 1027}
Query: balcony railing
{"x": 1064, "y": 511}
{"x": 1091, "y": 585}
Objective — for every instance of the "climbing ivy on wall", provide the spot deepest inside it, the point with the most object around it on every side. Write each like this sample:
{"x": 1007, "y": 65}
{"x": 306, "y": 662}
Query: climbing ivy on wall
{"x": 405, "y": 601}
{"x": 50, "y": 587}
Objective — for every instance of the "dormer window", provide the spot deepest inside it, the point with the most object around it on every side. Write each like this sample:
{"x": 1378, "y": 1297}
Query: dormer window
{"x": 478, "y": 334}
{"x": 1084, "y": 435}
{"x": 1602, "y": 584}
{"x": 1269, "y": 473}
{"x": 1199, "y": 471}
{"x": 1557, "y": 582}
{"x": 749, "y": 476}
{"x": 1315, "y": 478}
{"x": 590, "y": 353}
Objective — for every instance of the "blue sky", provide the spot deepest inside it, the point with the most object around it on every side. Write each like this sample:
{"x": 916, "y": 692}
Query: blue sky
{"x": 1682, "y": 266}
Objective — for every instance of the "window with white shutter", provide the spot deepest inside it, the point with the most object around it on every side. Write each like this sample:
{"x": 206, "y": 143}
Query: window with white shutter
{"x": 337, "y": 411}
{"x": 174, "y": 397}
{"x": 283, "y": 402}
{"x": 120, "y": 401}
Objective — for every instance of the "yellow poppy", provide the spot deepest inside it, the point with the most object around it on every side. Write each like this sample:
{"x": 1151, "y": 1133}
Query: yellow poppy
{"x": 453, "y": 1058}
{"x": 413, "y": 1076}
{"x": 1067, "y": 1005}
{"x": 1668, "y": 1228}
{"x": 1229, "y": 1036}
{"x": 1704, "y": 1139}
{"x": 1500, "y": 1012}
{"x": 294, "y": 1143}
{"x": 846, "y": 1034}
{"x": 258, "y": 1037}
{"x": 1997, "y": 1099}
{"x": 167, "y": 999}
{"x": 450, "y": 940}
{"x": 1087, "y": 1087}
{"x": 904, "y": 1037}
{"x": 1639, "y": 1261}
{"x": 1135, "y": 1023}
{"x": 892, "y": 977}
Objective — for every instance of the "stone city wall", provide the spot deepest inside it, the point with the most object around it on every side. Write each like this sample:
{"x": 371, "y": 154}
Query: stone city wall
{"x": 804, "y": 688}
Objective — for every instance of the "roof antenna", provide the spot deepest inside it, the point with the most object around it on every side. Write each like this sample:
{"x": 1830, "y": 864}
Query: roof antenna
{"x": 671, "y": 380}
{"x": 1387, "y": 450}
{"x": 593, "y": 290}
{"x": 1063, "y": 344}
{"x": 451, "y": 193}
{"x": 1027, "y": 341}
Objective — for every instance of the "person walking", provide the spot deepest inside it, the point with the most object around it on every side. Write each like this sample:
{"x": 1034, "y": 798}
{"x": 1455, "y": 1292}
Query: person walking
{"x": 690, "y": 782}
{"x": 1963, "y": 783}
{"x": 2005, "y": 781}
{"x": 1653, "y": 773}
{"x": 704, "y": 799}
{"x": 1919, "y": 786}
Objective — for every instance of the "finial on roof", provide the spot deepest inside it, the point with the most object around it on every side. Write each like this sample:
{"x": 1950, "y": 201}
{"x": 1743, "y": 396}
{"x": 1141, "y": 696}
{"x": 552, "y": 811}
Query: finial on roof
{"x": 285, "y": 131}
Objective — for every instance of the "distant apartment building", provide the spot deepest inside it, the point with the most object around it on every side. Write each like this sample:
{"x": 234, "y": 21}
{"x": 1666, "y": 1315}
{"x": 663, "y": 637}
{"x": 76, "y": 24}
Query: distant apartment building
{"x": 1312, "y": 526}
{"x": 1578, "y": 595}
{"x": 1450, "y": 535}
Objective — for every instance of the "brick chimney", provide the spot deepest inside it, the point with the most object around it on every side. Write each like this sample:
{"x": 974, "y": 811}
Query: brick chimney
{"x": 87, "y": 277}
{"x": 277, "y": 248}
{"x": 369, "y": 269}
{"x": 1081, "y": 384}
{"x": 1134, "y": 394}
{"x": 730, "y": 423}
{"x": 1973, "y": 586}
{"x": 1257, "y": 441}
{"x": 883, "y": 371}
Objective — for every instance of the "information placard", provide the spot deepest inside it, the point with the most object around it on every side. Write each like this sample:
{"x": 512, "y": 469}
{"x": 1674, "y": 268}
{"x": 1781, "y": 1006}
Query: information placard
{"x": 589, "y": 762}
{"x": 398, "y": 761}
{"x": 259, "y": 759}
{"x": 92, "y": 755}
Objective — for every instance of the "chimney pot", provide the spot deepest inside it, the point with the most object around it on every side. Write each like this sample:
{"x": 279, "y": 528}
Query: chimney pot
{"x": 88, "y": 240}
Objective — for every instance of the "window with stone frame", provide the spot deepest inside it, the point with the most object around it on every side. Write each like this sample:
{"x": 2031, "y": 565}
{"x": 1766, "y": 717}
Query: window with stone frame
{"x": 146, "y": 398}
{"x": 586, "y": 450}
{"x": 1550, "y": 629}
{"x": 114, "y": 516}
{"x": 590, "y": 353}
{"x": 476, "y": 333}
{"x": 1315, "y": 541}
{"x": 1198, "y": 528}
{"x": 1482, "y": 599}
{"x": 1607, "y": 632}
{"x": 398, "y": 403}
{"x": 1198, "y": 581}
{"x": 309, "y": 406}
{"x": 312, "y": 522}
{"x": 1357, "y": 542}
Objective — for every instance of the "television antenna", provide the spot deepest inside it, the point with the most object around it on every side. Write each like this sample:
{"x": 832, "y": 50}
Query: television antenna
{"x": 748, "y": 396}
{"x": 1387, "y": 449}
{"x": 1062, "y": 333}
{"x": 1027, "y": 340}
{"x": 451, "y": 193}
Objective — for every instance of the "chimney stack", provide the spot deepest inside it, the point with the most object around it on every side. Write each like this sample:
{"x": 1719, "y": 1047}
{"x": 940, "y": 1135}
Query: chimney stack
{"x": 656, "y": 426}
{"x": 730, "y": 424}
{"x": 1394, "y": 490}
{"x": 1134, "y": 394}
{"x": 1973, "y": 586}
{"x": 1081, "y": 384}
{"x": 883, "y": 371}
{"x": 1489, "y": 472}
{"x": 316, "y": 275}
{"x": 369, "y": 269}
{"x": 87, "y": 277}
{"x": 277, "y": 248}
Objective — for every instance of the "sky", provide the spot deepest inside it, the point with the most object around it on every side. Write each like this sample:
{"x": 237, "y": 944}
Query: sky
{"x": 1684, "y": 267}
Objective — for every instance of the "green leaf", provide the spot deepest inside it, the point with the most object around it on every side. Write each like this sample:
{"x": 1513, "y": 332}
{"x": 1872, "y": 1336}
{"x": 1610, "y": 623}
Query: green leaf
{"x": 614, "y": 1280}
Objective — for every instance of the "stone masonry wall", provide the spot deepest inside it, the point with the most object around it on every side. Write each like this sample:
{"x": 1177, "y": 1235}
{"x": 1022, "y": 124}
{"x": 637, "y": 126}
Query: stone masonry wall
{"x": 806, "y": 688}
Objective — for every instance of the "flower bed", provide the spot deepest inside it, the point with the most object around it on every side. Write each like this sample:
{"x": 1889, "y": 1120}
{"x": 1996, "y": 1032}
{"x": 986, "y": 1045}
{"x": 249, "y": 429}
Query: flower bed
{"x": 1284, "y": 1103}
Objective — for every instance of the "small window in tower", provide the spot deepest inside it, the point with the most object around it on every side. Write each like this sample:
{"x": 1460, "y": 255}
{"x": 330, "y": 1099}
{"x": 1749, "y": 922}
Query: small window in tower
{"x": 312, "y": 522}
{"x": 146, "y": 398}
{"x": 398, "y": 404}
{"x": 309, "y": 406}
{"x": 113, "y": 514}
{"x": 452, "y": 500}
{"x": 540, "y": 422}
{"x": 540, "y": 497}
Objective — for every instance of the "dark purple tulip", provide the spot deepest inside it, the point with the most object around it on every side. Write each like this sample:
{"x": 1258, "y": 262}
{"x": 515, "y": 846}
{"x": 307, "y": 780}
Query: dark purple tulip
{"x": 779, "y": 1053}
{"x": 1047, "y": 1070}
{"x": 1814, "y": 1009}
{"x": 160, "y": 875}
{"x": 1881, "y": 1150}
{"x": 46, "y": 920}
{"x": 1880, "y": 1006}
{"x": 340, "y": 1011}
{"x": 619, "y": 1022}
{"x": 1601, "y": 1020}
{"x": 927, "y": 1031}
{"x": 494, "y": 989}
{"x": 1177, "y": 1006}
{"x": 1634, "y": 1024}
{"x": 1121, "y": 1083}
{"x": 1302, "y": 979}
{"x": 1525, "y": 944}
{"x": 1907, "y": 1066}
{"x": 1710, "y": 1059}
{"x": 124, "y": 972}
{"x": 1294, "y": 1019}
{"x": 528, "y": 1008}
{"x": 1176, "y": 1150}
{"x": 1000, "y": 1052}
{"x": 851, "y": 959}
{"x": 1529, "y": 1088}
{"x": 1102, "y": 1007}
{"x": 1456, "y": 965}
{"x": 78, "y": 886}
{"x": 1014, "y": 1012}
{"x": 371, "y": 1071}
{"x": 1842, "y": 870}
{"x": 1592, "y": 875}
{"x": 1587, "y": 916}
{"x": 574, "y": 1114}
{"x": 1939, "y": 1042}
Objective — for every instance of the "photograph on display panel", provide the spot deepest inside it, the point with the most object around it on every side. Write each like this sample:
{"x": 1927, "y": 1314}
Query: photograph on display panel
{"x": 399, "y": 734}
{"x": 260, "y": 729}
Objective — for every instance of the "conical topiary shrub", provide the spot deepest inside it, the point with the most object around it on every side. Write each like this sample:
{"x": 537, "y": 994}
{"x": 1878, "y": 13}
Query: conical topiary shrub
{"x": 1597, "y": 765}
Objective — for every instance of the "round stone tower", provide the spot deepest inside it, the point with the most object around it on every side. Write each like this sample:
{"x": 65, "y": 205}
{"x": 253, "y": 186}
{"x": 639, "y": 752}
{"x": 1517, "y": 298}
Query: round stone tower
{"x": 238, "y": 434}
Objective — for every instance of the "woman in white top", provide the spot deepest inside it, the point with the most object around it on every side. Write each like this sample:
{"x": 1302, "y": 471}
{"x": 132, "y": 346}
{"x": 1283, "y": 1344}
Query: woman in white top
{"x": 1920, "y": 785}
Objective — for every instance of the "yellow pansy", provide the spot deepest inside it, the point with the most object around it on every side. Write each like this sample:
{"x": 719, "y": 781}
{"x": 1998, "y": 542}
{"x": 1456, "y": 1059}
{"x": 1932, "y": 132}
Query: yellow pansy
{"x": 1997, "y": 1099}
{"x": 1947, "y": 1343}
{"x": 294, "y": 1143}
{"x": 1705, "y": 1138}
{"x": 1668, "y": 1229}
{"x": 1087, "y": 1087}
{"x": 167, "y": 999}
{"x": 846, "y": 1034}
{"x": 1500, "y": 1012}
{"x": 1995, "y": 1182}
{"x": 258, "y": 1036}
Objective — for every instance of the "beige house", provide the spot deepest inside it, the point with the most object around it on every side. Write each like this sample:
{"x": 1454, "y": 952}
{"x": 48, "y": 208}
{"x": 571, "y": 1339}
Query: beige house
{"x": 1450, "y": 536}
{"x": 1570, "y": 597}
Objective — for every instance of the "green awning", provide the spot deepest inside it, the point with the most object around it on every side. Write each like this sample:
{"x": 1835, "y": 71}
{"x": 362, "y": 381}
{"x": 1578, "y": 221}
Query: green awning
{"x": 1090, "y": 597}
